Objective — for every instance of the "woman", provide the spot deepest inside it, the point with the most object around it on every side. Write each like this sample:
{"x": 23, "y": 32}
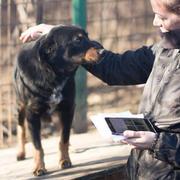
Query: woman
{"x": 155, "y": 155}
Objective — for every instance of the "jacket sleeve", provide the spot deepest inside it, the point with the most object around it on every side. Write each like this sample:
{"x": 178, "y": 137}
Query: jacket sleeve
{"x": 167, "y": 148}
{"x": 129, "y": 68}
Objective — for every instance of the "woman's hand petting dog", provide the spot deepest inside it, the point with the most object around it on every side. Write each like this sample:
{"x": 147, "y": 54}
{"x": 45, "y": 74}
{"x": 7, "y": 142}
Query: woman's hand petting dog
{"x": 35, "y": 32}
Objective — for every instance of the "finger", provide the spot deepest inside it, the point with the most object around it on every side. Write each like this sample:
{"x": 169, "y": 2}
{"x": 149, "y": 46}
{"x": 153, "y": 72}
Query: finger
{"x": 133, "y": 144}
{"x": 124, "y": 141}
{"x": 21, "y": 37}
{"x": 26, "y": 39}
{"x": 138, "y": 146}
{"x": 135, "y": 141}
{"x": 130, "y": 141}
{"x": 36, "y": 35}
{"x": 29, "y": 37}
{"x": 132, "y": 134}
{"x": 24, "y": 34}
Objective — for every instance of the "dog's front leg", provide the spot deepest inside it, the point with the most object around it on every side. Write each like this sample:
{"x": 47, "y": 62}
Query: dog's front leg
{"x": 34, "y": 125}
{"x": 66, "y": 121}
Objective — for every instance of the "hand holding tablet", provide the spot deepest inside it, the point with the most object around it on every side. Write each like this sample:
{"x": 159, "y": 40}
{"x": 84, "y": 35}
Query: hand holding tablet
{"x": 112, "y": 126}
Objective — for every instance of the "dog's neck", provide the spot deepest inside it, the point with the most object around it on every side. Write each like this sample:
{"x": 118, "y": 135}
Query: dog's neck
{"x": 44, "y": 92}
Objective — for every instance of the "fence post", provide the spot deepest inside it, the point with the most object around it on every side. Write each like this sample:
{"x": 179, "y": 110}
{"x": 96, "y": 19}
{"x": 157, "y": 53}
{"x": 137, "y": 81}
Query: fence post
{"x": 39, "y": 12}
{"x": 80, "y": 121}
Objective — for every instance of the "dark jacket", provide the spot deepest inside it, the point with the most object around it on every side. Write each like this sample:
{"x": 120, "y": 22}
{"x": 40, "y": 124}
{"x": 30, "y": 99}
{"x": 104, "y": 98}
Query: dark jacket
{"x": 160, "y": 69}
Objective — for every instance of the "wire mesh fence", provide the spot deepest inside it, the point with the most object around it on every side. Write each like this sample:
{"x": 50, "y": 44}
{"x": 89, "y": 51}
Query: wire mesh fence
{"x": 117, "y": 24}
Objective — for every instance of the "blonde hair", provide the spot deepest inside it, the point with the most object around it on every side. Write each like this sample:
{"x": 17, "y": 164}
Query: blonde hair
{"x": 172, "y": 5}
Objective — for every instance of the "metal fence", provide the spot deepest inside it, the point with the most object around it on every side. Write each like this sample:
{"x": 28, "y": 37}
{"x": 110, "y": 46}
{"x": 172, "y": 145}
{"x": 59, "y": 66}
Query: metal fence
{"x": 118, "y": 24}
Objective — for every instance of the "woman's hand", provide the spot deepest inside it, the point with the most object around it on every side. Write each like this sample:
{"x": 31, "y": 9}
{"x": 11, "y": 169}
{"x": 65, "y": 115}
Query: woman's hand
{"x": 139, "y": 139}
{"x": 35, "y": 32}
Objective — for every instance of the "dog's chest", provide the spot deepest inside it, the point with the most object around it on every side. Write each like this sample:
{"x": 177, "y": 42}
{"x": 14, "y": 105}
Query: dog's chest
{"x": 55, "y": 98}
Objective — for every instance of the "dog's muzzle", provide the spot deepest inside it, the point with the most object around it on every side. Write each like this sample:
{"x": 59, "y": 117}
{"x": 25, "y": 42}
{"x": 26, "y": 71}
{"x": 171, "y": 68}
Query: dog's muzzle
{"x": 93, "y": 54}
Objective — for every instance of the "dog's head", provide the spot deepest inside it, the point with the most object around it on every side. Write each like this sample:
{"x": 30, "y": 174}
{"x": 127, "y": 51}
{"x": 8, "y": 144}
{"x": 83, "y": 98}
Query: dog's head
{"x": 69, "y": 45}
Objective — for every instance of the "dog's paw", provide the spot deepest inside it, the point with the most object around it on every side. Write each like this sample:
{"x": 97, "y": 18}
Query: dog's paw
{"x": 39, "y": 172}
{"x": 20, "y": 156}
{"x": 65, "y": 163}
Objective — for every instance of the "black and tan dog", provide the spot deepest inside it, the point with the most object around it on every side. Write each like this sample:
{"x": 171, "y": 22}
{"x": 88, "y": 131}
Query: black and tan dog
{"x": 44, "y": 83}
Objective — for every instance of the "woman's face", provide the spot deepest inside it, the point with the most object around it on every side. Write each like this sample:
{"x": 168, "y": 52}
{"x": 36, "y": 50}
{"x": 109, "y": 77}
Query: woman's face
{"x": 164, "y": 19}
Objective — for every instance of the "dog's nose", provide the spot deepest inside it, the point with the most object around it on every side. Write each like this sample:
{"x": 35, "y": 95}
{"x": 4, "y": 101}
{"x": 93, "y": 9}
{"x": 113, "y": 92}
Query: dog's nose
{"x": 100, "y": 51}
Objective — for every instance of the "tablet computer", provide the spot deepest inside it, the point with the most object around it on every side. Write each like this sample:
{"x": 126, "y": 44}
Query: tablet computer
{"x": 118, "y": 125}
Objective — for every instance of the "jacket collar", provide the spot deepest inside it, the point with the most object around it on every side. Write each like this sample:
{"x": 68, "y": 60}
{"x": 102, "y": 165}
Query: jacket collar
{"x": 171, "y": 39}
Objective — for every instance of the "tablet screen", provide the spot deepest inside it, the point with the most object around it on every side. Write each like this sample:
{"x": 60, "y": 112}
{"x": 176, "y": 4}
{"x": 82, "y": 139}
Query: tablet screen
{"x": 119, "y": 125}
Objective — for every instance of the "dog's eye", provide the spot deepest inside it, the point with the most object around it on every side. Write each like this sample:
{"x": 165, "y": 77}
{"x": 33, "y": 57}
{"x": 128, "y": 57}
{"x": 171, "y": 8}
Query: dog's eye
{"x": 77, "y": 39}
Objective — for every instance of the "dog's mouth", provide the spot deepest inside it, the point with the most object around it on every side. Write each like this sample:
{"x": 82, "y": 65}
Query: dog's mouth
{"x": 93, "y": 55}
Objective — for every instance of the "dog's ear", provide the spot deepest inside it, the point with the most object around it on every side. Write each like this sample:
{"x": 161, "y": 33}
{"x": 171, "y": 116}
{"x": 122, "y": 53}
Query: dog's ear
{"x": 47, "y": 49}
